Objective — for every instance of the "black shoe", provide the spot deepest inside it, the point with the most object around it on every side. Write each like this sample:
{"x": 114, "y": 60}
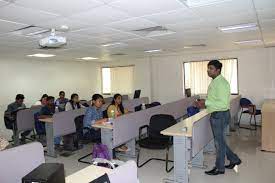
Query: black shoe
{"x": 214, "y": 171}
{"x": 232, "y": 165}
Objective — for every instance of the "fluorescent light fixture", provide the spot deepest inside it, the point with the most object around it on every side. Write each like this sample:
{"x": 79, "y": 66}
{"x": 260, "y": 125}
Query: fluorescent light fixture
{"x": 152, "y": 51}
{"x": 41, "y": 55}
{"x": 256, "y": 41}
{"x": 111, "y": 44}
{"x": 2, "y": 20}
{"x": 239, "y": 28}
{"x": 88, "y": 58}
{"x": 160, "y": 33}
{"x": 198, "y": 3}
{"x": 187, "y": 47}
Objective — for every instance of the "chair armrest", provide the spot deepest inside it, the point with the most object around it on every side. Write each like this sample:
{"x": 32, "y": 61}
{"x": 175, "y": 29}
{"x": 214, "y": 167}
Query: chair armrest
{"x": 140, "y": 130}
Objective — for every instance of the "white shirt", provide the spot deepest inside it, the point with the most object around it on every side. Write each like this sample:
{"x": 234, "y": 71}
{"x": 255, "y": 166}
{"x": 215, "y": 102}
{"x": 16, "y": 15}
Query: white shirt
{"x": 38, "y": 103}
{"x": 69, "y": 107}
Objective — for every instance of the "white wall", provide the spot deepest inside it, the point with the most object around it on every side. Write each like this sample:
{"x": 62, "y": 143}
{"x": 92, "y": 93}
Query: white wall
{"x": 255, "y": 73}
{"x": 33, "y": 78}
{"x": 163, "y": 76}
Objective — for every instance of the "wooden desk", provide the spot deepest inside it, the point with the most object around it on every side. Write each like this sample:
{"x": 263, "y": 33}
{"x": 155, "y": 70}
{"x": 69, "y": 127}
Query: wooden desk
{"x": 105, "y": 126}
{"x": 268, "y": 125}
{"x": 87, "y": 174}
{"x": 185, "y": 127}
{"x": 191, "y": 137}
{"x": 49, "y": 136}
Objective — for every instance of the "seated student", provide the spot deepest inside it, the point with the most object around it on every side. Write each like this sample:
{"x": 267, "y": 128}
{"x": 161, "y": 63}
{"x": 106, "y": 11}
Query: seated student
{"x": 114, "y": 110}
{"x": 61, "y": 101}
{"x": 69, "y": 140}
{"x": 117, "y": 107}
{"x": 10, "y": 114}
{"x": 48, "y": 111}
{"x": 73, "y": 103}
{"x": 92, "y": 116}
{"x": 42, "y": 101}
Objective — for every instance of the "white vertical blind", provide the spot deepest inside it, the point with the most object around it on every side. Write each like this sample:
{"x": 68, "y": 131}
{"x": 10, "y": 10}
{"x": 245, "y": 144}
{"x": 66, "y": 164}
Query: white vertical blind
{"x": 197, "y": 79}
{"x": 118, "y": 80}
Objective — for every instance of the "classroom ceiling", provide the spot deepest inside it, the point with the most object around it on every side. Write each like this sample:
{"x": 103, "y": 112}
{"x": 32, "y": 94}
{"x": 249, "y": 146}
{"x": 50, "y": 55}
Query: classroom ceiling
{"x": 132, "y": 27}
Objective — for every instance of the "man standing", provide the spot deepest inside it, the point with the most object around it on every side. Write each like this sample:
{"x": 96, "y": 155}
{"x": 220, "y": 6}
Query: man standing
{"x": 218, "y": 104}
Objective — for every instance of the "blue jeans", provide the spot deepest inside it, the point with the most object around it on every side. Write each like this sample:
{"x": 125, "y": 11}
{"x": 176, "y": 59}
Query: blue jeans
{"x": 57, "y": 140}
{"x": 219, "y": 122}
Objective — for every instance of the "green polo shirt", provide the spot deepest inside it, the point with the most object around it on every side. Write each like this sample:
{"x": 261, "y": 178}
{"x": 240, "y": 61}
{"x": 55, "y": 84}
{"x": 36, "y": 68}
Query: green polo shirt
{"x": 218, "y": 95}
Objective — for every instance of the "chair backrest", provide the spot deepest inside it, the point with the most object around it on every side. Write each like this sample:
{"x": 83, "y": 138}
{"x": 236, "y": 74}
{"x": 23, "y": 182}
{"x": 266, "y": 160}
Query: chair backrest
{"x": 25, "y": 120}
{"x": 79, "y": 126}
{"x": 158, "y": 123}
{"x": 36, "y": 108}
{"x": 125, "y": 97}
{"x": 192, "y": 110}
{"x": 105, "y": 114}
{"x": 153, "y": 104}
{"x": 244, "y": 102}
{"x": 19, "y": 161}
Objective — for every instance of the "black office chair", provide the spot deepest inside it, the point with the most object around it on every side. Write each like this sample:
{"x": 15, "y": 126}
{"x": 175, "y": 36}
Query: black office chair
{"x": 154, "y": 140}
{"x": 153, "y": 104}
{"x": 248, "y": 108}
{"x": 81, "y": 138}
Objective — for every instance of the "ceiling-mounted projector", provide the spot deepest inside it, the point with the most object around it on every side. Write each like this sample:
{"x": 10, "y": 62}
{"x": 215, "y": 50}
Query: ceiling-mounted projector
{"x": 52, "y": 41}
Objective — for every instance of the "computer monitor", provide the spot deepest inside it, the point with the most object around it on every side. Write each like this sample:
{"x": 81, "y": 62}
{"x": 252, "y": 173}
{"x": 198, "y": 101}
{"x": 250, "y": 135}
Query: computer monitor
{"x": 188, "y": 92}
{"x": 137, "y": 93}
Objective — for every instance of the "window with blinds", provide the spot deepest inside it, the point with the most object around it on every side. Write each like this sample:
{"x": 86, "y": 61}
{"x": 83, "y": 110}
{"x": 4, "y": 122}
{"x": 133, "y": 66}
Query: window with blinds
{"x": 197, "y": 80}
{"x": 117, "y": 80}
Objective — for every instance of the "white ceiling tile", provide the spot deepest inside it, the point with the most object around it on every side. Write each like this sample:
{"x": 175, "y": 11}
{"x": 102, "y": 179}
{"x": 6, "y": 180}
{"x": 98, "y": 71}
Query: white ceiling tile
{"x": 132, "y": 24}
{"x": 268, "y": 25}
{"x": 7, "y": 26}
{"x": 225, "y": 9}
{"x": 100, "y": 16}
{"x": 24, "y": 15}
{"x": 186, "y": 26}
{"x": 173, "y": 17}
{"x": 120, "y": 37}
{"x": 61, "y": 7}
{"x": 57, "y": 23}
{"x": 3, "y": 3}
{"x": 266, "y": 14}
{"x": 108, "y": 1}
{"x": 97, "y": 31}
{"x": 146, "y": 7}
{"x": 233, "y": 19}
{"x": 264, "y": 4}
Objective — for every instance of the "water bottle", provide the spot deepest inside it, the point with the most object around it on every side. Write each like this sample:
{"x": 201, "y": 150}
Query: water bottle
{"x": 56, "y": 109}
{"x": 112, "y": 114}
{"x": 143, "y": 106}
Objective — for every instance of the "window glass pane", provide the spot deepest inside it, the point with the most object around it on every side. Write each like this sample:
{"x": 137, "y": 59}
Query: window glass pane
{"x": 118, "y": 80}
{"x": 106, "y": 80}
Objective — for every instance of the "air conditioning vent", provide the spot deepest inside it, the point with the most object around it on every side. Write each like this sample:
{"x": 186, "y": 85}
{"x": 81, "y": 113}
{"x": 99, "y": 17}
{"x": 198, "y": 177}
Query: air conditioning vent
{"x": 153, "y": 31}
